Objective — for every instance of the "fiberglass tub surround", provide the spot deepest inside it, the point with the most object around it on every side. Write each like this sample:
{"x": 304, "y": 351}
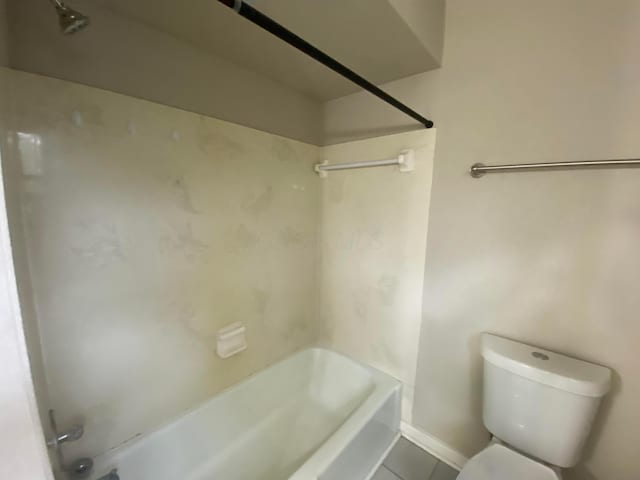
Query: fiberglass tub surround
{"x": 315, "y": 415}
{"x": 148, "y": 230}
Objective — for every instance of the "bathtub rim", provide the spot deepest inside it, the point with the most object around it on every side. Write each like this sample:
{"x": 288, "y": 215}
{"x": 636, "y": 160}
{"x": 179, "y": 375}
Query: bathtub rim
{"x": 384, "y": 386}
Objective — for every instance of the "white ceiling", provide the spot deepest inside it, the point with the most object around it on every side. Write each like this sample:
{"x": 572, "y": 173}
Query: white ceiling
{"x": 369, "y": 36}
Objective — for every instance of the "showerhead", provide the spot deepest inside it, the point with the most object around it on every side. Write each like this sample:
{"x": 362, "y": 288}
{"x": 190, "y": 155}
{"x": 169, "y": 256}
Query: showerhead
{"x": 71, "y": 21}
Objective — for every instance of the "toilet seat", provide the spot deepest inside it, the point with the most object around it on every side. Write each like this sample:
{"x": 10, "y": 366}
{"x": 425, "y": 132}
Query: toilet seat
{"x": 498, "y": 462}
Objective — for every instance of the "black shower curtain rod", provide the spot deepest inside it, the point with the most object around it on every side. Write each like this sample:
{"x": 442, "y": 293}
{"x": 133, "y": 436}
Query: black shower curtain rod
{"x": 250, "y": 13}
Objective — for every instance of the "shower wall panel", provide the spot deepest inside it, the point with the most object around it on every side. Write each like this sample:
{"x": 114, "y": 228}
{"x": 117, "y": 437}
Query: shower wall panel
{"x": 147, "y": 229}
{"x": 374, "y": 235}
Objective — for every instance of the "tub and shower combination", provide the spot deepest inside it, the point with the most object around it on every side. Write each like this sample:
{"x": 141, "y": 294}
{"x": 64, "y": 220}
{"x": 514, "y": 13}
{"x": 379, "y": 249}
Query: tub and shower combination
{"x": 316, "y": 415}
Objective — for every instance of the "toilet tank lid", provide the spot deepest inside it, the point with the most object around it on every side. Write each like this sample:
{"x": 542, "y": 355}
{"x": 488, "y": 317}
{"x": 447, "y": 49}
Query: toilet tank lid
{"x": 546, "y": 367}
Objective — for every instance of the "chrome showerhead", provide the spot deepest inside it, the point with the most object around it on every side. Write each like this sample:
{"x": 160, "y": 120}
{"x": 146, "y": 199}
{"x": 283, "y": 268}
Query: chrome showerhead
{"x": 71, "y": 21}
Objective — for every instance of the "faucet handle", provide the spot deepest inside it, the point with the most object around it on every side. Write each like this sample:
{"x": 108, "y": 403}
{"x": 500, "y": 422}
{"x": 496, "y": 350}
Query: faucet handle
{"x": 72, "y": 434}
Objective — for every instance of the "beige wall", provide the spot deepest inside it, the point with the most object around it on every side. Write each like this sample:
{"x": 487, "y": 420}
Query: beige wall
{"x": 131, "y": 58}
{"x": 425, "y": 18}
{"x": 372, "y": 257}
{"x": 547, "y": 258}
{"x": 147, "y": 230}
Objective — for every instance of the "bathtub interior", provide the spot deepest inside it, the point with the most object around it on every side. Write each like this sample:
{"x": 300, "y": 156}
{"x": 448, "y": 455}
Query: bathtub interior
{"x": 262, "y": 429}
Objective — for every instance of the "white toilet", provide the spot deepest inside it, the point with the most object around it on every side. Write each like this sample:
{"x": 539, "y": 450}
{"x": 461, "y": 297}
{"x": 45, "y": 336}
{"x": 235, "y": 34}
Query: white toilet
{"x": 539, "y": 407}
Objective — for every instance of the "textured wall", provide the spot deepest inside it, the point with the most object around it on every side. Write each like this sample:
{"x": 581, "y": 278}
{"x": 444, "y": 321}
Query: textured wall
{"x": 374, "y": 234}
{"x": 147, "y": 230}
{"x": 548, "y": 258}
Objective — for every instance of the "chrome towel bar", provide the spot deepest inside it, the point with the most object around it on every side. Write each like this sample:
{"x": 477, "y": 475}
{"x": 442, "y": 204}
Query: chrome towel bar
{"x": 478, "y": 170}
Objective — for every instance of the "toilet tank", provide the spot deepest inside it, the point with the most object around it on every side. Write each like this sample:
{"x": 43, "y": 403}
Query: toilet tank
{"x": 540, "y": 402}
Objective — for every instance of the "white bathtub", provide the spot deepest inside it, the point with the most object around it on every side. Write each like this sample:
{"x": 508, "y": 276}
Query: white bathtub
{"x": 314, "y": 416}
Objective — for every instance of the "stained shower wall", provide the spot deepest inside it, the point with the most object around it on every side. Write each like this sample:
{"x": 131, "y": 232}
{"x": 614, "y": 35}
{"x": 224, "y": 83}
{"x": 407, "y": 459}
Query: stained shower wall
{"x": 147, "y": 229}
{"x": 373, "y": 236}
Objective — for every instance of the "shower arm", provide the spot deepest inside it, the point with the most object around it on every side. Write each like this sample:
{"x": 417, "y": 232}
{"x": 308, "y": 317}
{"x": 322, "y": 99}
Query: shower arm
{"x": 270, "y": 25}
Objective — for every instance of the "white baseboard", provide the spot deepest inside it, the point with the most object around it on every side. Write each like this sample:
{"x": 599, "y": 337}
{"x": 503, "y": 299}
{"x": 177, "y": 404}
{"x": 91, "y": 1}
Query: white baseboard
{"x": 435, "y": 447}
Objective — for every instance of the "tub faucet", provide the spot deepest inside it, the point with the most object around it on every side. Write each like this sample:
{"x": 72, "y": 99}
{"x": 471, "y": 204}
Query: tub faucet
{"x": 80, "y": 468}
{"x": 71, "y": 435}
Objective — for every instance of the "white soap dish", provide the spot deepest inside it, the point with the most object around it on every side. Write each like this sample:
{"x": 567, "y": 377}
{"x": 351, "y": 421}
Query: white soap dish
{"x": 232, "y": 339}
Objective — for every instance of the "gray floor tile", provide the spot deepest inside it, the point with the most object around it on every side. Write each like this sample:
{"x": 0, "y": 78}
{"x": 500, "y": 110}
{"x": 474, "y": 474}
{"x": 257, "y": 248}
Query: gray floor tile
{"x": 410, "y": 462}
{"x": 443, "y": 472}
{"x": 384, "y": 474}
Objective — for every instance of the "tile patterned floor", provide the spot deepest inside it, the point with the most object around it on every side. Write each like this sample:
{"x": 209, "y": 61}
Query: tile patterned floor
{"x": 406, "y": 461}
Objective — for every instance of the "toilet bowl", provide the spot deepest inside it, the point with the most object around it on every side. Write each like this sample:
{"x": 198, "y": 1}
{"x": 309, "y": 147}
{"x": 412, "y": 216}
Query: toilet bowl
{"x": 499, "y": 462}
{"x": 539, "y": 406}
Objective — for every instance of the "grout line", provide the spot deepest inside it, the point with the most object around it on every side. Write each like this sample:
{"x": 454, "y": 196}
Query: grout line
{"x": 392, "y": 472}
{"x": 425, "y": 452}
{"x": 434, "y": 469}
{"x": 435, "y": 447}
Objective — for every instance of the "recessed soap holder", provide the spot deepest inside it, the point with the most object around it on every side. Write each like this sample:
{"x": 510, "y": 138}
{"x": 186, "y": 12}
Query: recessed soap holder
{"x": 231, "y": 340}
